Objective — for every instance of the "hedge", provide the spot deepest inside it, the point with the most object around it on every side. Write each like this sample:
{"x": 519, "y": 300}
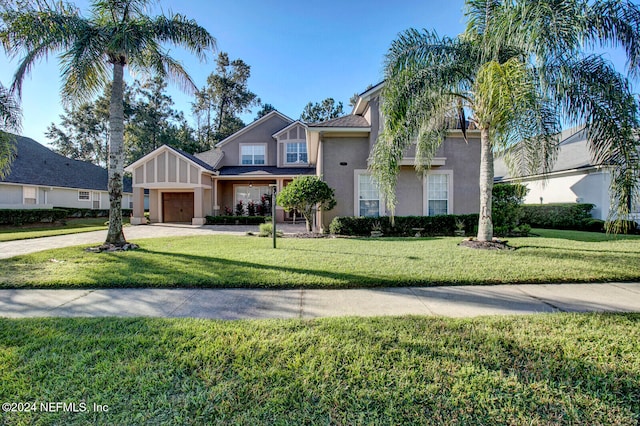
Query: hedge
{"x": 20, "y": 217}
{"x": 236, "y": 220}
{"x": 507, "y": 206}
{"x": 81, "y": 212}
{"x": 559, "y": 216}
{"x": 404, "y": 226}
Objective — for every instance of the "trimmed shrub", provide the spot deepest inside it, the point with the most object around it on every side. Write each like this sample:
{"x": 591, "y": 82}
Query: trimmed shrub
{"x": 79, "y": 213}
{"x": 21, "y": 217}
{"x": 403, "y": 226}
{"x": 507, "y": 206}
{"x": 235, "y": 220}
{"x": 558, "y": 216}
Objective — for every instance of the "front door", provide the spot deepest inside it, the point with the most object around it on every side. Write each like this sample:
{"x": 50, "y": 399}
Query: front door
{"x": 177, "y": 206}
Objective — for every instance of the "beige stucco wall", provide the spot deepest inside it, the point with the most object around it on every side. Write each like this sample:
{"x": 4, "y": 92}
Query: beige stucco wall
{"x": 464, "y": 159}
{"x": 256, "y": 135}
{"x": 353, "y": 151}
{"x": 409, "y": 193}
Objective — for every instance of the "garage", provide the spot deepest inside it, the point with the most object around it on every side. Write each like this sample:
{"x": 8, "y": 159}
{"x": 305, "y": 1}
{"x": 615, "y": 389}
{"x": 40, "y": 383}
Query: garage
{"x": 177, "y": 206}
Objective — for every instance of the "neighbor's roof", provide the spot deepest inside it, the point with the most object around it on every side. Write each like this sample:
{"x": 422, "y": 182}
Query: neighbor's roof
{"x": 265, "y": 171}
{"x": 348, "y": 121}
{"x": 36, "y": 164}
{"x": 573, "y": 153}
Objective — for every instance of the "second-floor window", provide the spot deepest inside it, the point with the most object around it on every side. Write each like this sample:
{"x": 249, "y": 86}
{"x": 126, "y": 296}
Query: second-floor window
{"x": 252, "y": 154}
{"x": 296, "y": 152}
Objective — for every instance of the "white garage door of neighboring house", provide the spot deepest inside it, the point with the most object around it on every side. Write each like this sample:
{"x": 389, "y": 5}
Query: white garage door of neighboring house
{"x": 95, "y": 200}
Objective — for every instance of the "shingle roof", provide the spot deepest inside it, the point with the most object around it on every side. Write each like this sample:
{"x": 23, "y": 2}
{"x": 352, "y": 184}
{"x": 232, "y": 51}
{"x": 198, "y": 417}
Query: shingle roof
{"x": 265, "y": 171}
{"x": 193, "y": 158}
{"x": 36, "y": 164}
{"x": 573, "y": 153}
{"x": 346, "y": 121}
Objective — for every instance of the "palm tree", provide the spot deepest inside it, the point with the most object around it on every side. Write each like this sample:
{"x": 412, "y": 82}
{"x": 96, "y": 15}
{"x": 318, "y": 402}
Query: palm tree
{"x": 517, "y": 73}
{"x": 94, "y": 51}
{"x": 9, "y": 120}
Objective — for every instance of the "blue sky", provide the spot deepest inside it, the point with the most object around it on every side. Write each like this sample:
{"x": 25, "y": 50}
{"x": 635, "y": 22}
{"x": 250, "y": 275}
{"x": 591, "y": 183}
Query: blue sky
{"x": 298, "y": 51}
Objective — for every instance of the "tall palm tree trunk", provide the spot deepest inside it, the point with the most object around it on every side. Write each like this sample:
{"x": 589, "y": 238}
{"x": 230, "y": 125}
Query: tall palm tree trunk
{"x": 116, "y": 156}
{"x": 485, "y": 224}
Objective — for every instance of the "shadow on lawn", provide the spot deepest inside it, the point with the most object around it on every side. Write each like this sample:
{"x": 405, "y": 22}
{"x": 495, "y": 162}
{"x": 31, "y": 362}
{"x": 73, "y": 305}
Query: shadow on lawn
{"x": 220, "y": 273}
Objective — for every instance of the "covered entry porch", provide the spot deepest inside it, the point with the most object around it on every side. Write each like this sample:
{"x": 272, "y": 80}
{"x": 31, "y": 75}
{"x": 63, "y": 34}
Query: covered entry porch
{"x": 180, "y": 187}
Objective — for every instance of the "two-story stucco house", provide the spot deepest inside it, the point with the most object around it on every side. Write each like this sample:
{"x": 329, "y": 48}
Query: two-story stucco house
{"x": 275, "y": 149}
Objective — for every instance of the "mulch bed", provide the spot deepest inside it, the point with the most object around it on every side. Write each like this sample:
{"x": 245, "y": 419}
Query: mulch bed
{"x": 496, "y": 244}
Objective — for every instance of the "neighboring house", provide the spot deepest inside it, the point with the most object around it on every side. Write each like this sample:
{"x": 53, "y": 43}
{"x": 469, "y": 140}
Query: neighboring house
{"x": 575, "y": 178}
{"x": 275, "y": 149}
{"x": 41, "y": 179}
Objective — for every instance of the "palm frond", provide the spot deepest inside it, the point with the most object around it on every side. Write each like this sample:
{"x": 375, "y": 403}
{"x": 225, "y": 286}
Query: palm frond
{"x": 615, "y": 23}
{"x": 37, "y": 34}
{"x": 180, "y": 31}
{"x": 7, "y": 153}
{"x": 595, "y": 94}
{"x": 9, "y": 111}
{"x": 84, "y": 66}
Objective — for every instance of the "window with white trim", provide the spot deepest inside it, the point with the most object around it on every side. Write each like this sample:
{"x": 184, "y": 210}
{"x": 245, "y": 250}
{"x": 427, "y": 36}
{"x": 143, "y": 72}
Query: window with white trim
{"x": 369, "y": 200}
{"x": 252, "y": 154}
{"x": 84, "y": 196}
{"x": 296, "y": 153}
{"x": 437, "y": 194}
{"x": 29, "y": 195}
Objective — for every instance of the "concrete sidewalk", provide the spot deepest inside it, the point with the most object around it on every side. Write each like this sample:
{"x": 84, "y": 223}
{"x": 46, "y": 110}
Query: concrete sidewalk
{"x": 463, "y": 301}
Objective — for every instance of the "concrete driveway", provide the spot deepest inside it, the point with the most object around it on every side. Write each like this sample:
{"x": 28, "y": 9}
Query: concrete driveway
{"x": 132, "y": 233}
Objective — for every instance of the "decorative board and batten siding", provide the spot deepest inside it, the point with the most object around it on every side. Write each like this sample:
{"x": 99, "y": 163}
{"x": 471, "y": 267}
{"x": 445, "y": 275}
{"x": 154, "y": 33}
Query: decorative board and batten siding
{"x": 167, "y": 167}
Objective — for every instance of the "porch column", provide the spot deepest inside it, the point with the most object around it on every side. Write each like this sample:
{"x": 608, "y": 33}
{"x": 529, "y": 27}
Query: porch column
{"x": 216, "y": 204}
{"x": 198, "y": 210}
{"x": 280, "y": 213}
{"x": 138, "y": 207}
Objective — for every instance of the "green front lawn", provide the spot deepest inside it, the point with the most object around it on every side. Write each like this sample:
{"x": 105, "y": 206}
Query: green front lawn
{"x": 545, "y": 369}
{"x": 72, "y": 226}
{"x": 232, "y": 261}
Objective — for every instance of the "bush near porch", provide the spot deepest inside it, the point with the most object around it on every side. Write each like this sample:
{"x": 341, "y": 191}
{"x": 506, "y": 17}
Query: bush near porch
{"x": 236, "y": 220}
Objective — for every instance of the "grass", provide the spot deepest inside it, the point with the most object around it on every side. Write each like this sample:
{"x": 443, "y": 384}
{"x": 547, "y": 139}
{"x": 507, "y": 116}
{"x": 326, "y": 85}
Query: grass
{"x": 72, "y": 226}
{"x": 232, "y": 261}
{"x": 545, "y": 369}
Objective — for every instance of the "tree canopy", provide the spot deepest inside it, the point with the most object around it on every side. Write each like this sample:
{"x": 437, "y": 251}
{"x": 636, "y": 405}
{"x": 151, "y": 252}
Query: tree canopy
{"x": 321, "y": 111}
{"x": 307, "y": 194}
{"x": 218, "y": 105}
{"x": 519, "y": 71}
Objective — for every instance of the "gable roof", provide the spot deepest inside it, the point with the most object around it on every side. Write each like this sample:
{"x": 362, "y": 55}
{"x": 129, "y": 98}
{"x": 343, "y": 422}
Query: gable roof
{"x": 36, "y": 164}
{"x": 191, "y": 158}
{"x": 248, "y": 127}
{"x": 286, "y": 129}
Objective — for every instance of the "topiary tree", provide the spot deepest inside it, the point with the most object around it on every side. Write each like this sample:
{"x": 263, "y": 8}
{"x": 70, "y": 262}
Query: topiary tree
{"x": 307, "y": 194}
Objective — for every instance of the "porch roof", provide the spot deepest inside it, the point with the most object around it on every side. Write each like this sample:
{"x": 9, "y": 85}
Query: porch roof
{"x": 251, "y": 171}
